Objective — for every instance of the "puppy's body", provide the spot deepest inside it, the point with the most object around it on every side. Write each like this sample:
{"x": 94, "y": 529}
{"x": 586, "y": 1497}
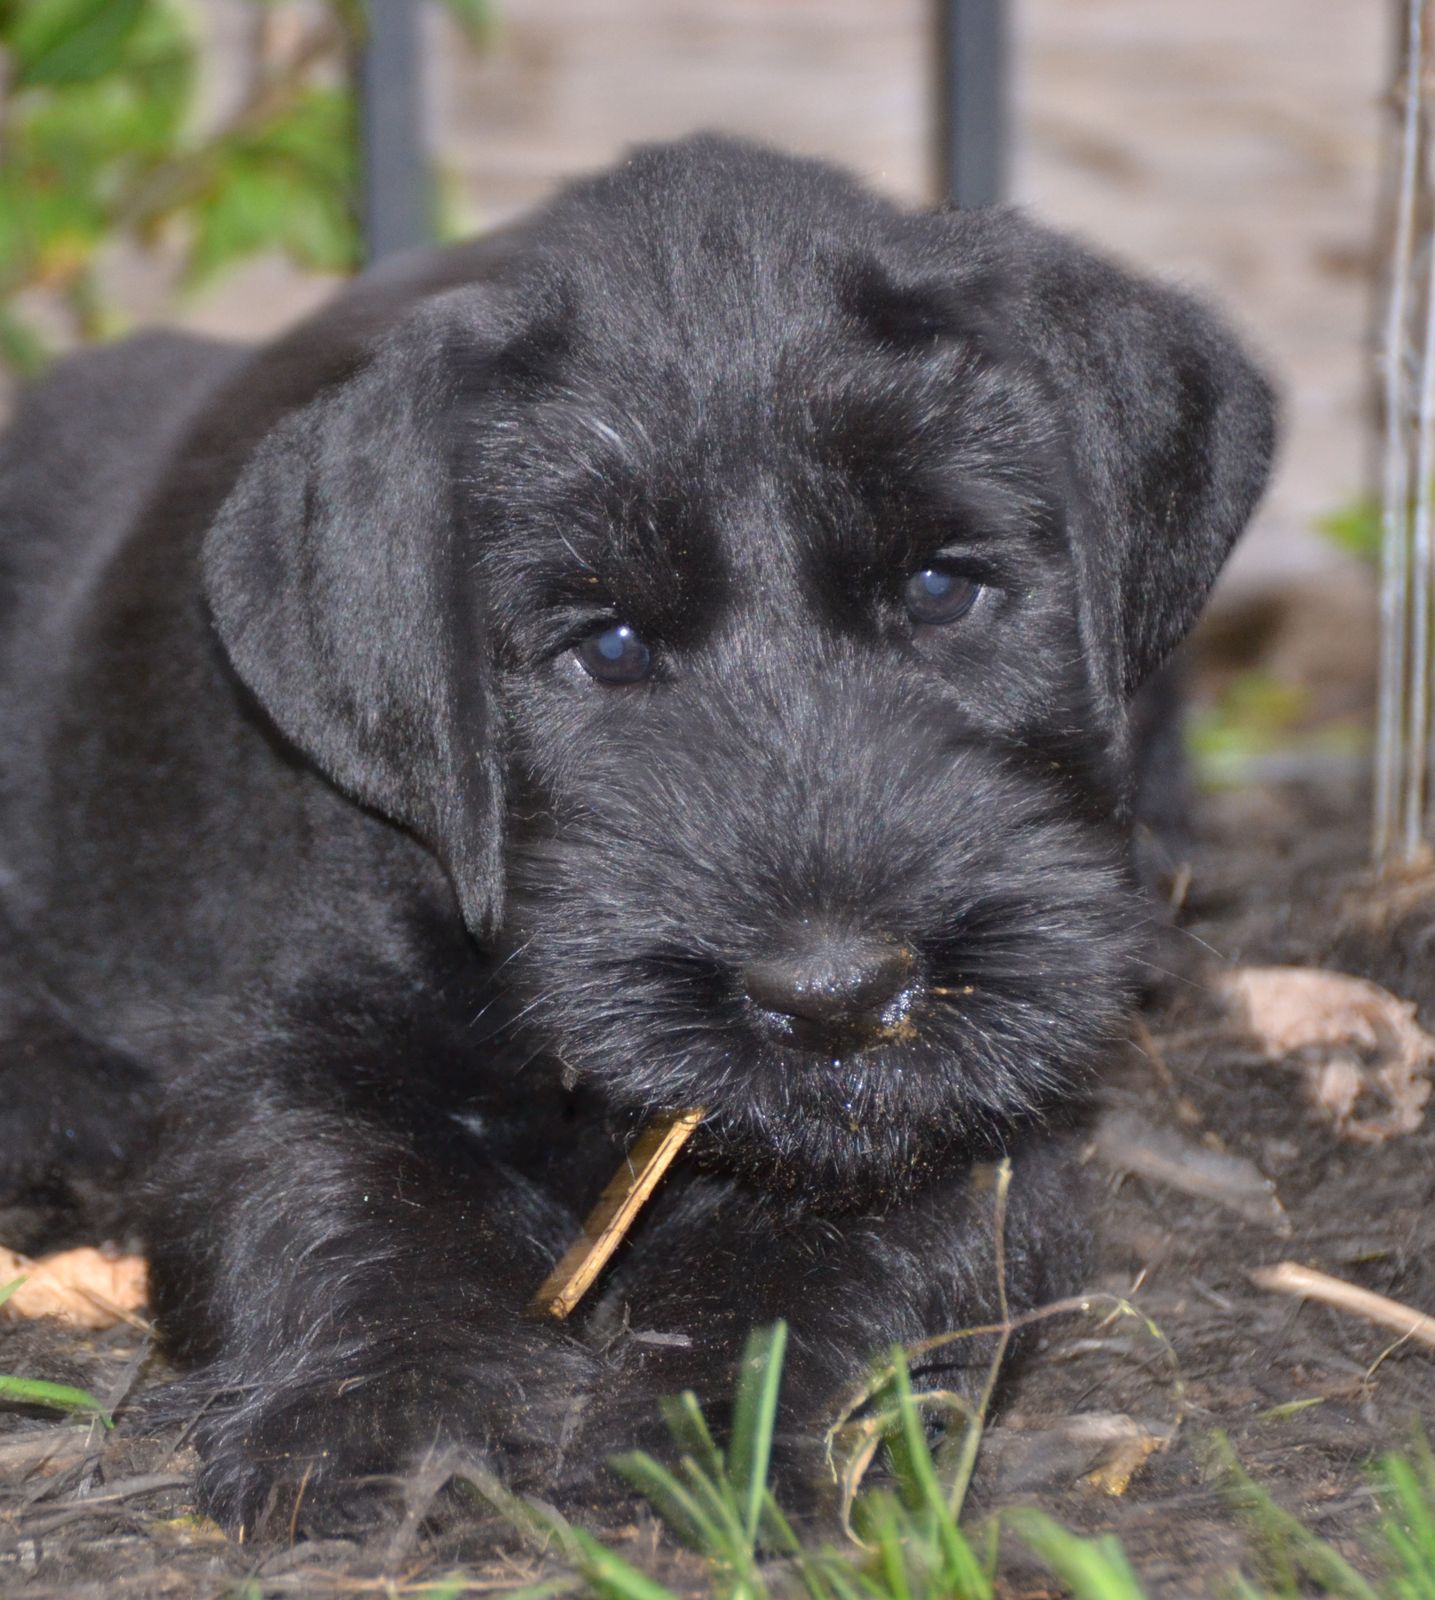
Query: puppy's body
{"x": 323, "y": 837}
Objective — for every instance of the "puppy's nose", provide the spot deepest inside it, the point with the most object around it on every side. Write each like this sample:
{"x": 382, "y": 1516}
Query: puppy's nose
{"x": 832, "y": 988}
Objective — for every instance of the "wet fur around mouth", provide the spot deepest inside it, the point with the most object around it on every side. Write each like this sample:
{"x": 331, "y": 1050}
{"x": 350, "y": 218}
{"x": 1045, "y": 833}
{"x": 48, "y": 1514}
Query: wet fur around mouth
{"x": 358, "y": 926}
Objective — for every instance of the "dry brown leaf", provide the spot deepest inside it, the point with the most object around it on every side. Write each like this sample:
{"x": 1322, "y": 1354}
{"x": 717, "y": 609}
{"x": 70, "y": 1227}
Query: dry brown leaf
{"x": 1122, "y": 1461}
{"x": 1368, "y": 1060}
{"x": 85, "y": 1288}
{"x": 1102, "y": 1449}
{"x": 1126, "y": 1143}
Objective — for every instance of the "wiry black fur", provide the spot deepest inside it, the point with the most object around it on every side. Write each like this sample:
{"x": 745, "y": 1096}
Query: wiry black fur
{"x": 345, "y": 907}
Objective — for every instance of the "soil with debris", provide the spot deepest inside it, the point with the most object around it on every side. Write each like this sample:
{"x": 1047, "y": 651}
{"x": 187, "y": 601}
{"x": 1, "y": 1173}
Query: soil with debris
{"x": 1305, "y": 1394}
{"x": 1212, "y": 1160}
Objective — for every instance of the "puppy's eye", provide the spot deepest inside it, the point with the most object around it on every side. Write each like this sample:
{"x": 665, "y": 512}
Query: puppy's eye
{"x": 615, "y": 655}
{"x": 937, "y": 594}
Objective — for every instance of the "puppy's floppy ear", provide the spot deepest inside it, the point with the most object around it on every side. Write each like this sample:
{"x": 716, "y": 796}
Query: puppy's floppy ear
{"x": 1168, "y": 428}
{"x": 334, "y": 577}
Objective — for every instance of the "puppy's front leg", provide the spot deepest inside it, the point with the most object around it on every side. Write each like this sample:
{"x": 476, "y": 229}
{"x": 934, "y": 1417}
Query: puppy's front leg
{"x": 722, "y": 1260}
{"x": 348, "y": 1268}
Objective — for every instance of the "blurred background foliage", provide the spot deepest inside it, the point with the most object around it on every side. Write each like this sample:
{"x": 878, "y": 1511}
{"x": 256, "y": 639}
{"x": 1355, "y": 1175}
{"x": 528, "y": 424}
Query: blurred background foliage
{"x": 106, "y": 144}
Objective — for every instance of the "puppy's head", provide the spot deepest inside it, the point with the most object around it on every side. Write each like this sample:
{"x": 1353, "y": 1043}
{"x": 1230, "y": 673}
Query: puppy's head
{"x": 744, "y": 599}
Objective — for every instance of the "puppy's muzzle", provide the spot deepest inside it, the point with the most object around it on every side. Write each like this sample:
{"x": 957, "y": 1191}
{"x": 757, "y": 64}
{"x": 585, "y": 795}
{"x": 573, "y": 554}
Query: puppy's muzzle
{"x": 833, "y": 993}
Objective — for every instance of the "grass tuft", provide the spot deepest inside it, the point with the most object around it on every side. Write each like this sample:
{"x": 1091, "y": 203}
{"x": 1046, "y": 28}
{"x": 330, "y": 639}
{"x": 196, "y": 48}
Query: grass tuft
{"x": 1093, "y": 1569}
{"x": 907, "y": 1541}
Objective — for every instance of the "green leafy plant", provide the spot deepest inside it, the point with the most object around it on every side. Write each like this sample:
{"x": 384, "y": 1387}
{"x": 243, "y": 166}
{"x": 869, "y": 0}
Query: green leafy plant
{"x": 1404, "y": 1538}
{"x": 103, "y": 142}
{"x": 911, "y": 1546}
{"x": 1355, "y": 528}
{"x": 1093, "y": 1569}
{"x": 1256, "y": 716}
{"x": 720, "y": 1504}
{"x": 906, "y": 1539}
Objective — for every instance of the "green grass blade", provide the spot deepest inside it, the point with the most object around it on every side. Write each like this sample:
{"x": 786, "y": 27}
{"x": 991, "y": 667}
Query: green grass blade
{"x": 1093, "y": 1569}
{"x": 957, "y": 1455}
{"x": 843, "y": 1580}
{"x": 962, "y": 1573}
{"x": 754, "y": 1415}
{"x": 609, "y": 1574}
{"x": 1405, "y": 1534}
{"x": 810, "y": 1568}
{"x": 892, "y": 1541}
{"x": 689, "y": 1429}
{"x": 1284, "y": 1536}
{"x": 912, "y": 1460}
{"x": 719, "y": 1500}
{"x": 1403, "y": 1557}
{"x": 57, "y": 1396}
{"x": 870, "y": 1588}
{"x": 675, "y": 1504}
{"x": 1424, "y": 1459}
{"x": 991, "y": 1537}
{"x": 1411, "y": 1574}
{"x": 776, "y": 1531}
{"x": 6, "y": 1290}
{"x": 1404, "y": 1493}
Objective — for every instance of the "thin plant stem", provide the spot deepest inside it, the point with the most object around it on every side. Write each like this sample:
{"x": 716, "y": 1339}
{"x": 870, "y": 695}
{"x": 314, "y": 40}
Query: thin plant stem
{"x": 1418, "y": 719}
{"x": 1395, "y": 475}
{"x": 965, "y": 1462}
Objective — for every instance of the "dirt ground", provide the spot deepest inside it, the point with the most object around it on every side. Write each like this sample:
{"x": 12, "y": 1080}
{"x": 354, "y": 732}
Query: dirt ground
{"x": 1305, "y": 1394}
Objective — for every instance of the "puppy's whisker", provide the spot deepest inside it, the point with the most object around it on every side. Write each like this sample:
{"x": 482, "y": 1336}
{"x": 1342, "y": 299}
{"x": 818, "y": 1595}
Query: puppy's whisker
{"x": 1184, "y": 979}
{"x": 1210, "y": 949}
{"x": 509, "y": 1023}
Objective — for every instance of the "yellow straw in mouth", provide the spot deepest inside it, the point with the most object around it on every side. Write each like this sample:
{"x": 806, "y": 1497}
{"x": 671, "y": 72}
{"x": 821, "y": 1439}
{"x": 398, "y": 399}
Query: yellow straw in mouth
{"x": 652, "y": 1153}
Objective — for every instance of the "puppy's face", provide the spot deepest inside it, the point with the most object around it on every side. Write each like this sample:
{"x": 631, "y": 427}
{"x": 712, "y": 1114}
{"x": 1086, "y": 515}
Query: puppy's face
{"x": 811, "y": 821}
{"x": 743, "y": 599}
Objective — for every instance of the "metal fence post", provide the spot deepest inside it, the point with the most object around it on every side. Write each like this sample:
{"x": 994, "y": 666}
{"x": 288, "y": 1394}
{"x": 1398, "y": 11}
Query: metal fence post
{"x": 972, "y": 101}
{"x": 394, "y": 163}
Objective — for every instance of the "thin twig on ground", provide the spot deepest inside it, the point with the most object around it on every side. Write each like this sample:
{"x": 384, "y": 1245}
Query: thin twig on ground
{"x": 1290, "y": 1277}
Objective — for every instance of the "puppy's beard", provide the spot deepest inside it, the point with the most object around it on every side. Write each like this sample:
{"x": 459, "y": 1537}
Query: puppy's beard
{"x": 1027, "y": 938}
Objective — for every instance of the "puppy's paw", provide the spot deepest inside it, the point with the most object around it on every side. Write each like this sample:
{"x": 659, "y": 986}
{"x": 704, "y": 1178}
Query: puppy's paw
{"x": 622, "y": 1411}
{"x": 334, "y": 1457}
{"x": 258, "y": 1489}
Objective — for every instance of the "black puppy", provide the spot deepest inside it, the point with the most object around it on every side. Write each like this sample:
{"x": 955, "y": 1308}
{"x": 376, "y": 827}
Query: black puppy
{"x": 677, "y": 654}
